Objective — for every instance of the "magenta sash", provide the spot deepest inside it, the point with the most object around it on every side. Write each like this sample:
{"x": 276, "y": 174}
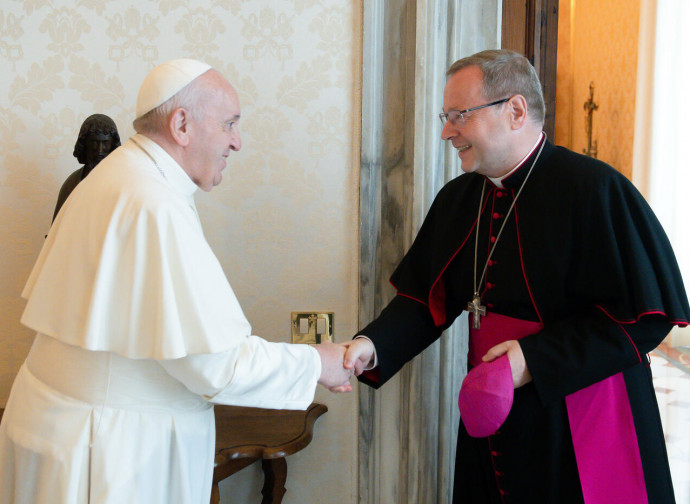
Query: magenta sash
{"x": 601, "y": 422}
{"x": 496, "y": 329}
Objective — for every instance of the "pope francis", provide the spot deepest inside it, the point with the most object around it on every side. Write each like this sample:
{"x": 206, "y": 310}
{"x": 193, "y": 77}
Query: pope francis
{"x": 138, "y": 329}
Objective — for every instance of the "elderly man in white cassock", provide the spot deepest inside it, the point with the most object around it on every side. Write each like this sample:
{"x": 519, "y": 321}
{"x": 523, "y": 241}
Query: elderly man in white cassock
{"x": 138, "y": 329}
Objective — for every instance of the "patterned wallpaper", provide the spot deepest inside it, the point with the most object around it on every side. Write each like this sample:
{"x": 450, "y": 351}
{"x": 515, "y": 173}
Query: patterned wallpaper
{"x": 601, "y": 46}
{"x": 283, "y": 223}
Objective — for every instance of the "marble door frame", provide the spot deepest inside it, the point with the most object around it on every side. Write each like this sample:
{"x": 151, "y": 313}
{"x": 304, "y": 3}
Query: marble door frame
{"x": 407, "y": 429}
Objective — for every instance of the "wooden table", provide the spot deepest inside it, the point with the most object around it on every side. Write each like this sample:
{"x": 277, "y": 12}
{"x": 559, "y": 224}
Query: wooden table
{"x": 246, "y": 435}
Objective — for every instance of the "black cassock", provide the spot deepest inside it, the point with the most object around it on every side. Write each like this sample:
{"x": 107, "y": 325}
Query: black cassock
{"x": 583, "y": 255}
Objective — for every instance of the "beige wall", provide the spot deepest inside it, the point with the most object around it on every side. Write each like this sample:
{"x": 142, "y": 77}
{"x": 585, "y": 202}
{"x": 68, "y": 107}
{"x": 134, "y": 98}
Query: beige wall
{"x": 598, "y": 41}
{"x": 284, "y": 222}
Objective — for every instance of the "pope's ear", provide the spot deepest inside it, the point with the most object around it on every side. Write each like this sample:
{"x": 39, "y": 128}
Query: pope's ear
{"x": 517, "y": 107}
{"x": 178, "y": 125}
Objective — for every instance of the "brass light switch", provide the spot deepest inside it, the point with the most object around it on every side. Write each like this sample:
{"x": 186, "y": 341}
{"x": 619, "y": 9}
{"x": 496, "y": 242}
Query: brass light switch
{"x": 312, "y": 327}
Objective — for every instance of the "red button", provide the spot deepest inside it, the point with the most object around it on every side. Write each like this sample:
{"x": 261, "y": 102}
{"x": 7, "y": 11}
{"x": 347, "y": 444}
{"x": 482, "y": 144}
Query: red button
{"x": 493, "y": 239}
{"x": 496, "y": 215}
{"x": 491, "y": 262}
{"x": 489, "y": 285}
{"x": 499, "y": 194}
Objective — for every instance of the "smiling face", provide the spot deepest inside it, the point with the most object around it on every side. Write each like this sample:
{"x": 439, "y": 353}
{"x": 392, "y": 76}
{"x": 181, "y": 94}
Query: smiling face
{"x": 214, "y": 132}
{"x": 482, "y": 141}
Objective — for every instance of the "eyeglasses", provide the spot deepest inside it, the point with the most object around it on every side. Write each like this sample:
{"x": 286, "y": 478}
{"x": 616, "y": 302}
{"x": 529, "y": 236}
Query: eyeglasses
{"x": 454, "y": 115}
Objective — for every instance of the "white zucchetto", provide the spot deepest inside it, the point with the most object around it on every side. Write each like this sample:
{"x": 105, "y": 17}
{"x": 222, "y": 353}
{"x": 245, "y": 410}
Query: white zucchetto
{"x": 165, "y": 80}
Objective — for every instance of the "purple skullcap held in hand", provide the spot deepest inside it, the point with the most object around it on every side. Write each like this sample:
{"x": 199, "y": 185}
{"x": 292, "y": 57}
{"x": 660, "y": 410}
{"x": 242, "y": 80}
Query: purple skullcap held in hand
{"x": 486, "y": 396}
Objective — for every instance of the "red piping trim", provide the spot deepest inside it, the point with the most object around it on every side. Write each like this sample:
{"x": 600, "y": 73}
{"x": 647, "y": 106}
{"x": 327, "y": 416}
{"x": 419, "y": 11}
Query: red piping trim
{"x": 639, "y": 358}
{"x": 373, "y": 374}
{"x": 456, "y": 252}
{"x": 492, "y": 195}
{"x": 681, "y": 323}
{"x": 413, "y": 299}
{"x": 517, "y": 168}
{"x": 493, "y": 464}
{"x": 522, "y": 264}
{"x": 491, "y": 231}
{"x": 620, "y": 324}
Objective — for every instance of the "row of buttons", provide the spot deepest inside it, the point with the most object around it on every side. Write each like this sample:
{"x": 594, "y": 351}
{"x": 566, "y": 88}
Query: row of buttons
{"x": 495, "y": 454}
{"x": 495, "y": 216}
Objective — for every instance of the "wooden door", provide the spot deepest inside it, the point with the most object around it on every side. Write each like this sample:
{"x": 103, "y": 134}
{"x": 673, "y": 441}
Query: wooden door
{"x": 530, "y": 27}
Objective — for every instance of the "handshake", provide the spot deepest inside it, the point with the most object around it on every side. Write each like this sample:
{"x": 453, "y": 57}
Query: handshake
{"x": 340, "y": 361}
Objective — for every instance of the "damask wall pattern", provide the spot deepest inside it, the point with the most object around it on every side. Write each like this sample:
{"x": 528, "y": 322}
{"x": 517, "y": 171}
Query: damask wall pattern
{"x": 601, "y": 46}
{"x": 283, "y": 223}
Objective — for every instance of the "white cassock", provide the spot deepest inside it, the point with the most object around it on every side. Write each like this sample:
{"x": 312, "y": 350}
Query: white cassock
{"x": 139, "y": 332}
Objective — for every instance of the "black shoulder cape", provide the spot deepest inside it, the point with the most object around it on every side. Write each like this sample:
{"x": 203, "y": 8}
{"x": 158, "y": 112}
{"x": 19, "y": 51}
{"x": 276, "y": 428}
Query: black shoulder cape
{"x": 579, "y": 220}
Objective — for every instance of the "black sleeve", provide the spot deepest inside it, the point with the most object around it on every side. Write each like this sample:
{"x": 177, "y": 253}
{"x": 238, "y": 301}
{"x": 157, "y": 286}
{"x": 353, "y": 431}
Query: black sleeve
{"x": 572, "y": 354}
{"x": 402, "y": 330}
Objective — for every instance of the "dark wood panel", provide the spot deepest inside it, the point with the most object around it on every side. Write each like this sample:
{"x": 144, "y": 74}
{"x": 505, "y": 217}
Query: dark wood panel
{"x": 513, "y": 31}
{"x": 530, "y": 27}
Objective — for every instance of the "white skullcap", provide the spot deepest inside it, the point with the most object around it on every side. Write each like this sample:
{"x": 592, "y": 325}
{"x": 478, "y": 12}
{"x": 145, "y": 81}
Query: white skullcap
{"x": 165, "y": 81}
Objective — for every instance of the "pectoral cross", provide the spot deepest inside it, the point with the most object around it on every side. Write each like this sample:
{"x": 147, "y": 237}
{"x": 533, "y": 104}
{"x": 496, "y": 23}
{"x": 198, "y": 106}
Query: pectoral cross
{"x": 477, "y": 310}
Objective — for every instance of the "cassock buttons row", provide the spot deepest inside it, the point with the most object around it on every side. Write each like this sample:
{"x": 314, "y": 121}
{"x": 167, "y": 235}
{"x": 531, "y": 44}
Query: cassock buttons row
{"x": 499, "y": 474}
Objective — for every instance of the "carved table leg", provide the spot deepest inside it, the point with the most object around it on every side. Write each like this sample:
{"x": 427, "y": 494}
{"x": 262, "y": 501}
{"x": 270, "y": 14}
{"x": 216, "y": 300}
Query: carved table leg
{"x": 275, "y": 475}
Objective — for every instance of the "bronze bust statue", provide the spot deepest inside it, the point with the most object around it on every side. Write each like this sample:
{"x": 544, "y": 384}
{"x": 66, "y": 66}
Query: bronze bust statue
{"x": 97, "y": 138}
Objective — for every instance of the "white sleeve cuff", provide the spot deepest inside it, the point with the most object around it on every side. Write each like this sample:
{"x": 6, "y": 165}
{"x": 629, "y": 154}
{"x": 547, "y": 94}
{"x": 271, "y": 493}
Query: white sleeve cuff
{"x": 376, "y": 359}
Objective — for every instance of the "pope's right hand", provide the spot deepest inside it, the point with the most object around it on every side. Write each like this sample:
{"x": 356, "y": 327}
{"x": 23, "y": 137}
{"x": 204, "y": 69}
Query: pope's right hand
{"x": 334, "y": 375}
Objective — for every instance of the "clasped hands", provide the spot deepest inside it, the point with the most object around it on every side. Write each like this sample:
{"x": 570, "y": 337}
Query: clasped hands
{"x": 339, "y": 362}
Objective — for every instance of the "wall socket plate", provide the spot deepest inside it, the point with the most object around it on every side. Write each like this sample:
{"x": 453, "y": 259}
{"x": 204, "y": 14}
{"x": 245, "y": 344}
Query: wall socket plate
{"x": 311, "y": 327}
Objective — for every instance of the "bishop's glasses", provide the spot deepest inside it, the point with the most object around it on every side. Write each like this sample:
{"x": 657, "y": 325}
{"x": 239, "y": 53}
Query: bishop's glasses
{"x": 454, "y": 115}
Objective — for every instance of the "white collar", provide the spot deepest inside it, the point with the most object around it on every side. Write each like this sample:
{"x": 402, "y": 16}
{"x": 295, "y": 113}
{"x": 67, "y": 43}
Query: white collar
{"x": 498, "y": 181}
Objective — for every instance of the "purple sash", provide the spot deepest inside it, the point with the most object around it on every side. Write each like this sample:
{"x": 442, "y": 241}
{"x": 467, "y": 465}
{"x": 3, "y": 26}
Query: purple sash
{"x": 601, "y": 422}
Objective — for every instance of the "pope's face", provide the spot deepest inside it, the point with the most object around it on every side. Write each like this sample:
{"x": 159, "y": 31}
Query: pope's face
{"x": 481, "y": 139}
{"x": 215, "y": 133}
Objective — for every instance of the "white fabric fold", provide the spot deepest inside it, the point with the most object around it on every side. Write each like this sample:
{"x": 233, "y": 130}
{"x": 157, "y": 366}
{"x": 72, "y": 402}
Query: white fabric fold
{"x": 143, "y": 283}
{"x": 122, "y": 429}
{"x": 257, "y": 374}
{"x": 139, "y": 331}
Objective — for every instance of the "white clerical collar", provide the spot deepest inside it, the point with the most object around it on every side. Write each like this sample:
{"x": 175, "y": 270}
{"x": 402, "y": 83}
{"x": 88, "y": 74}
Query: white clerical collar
{"x": 169, "y": 168}
{"x": 498, "y": 181}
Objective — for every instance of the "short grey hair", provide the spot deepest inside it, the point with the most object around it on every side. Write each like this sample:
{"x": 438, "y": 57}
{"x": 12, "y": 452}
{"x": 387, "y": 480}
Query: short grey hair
{"x": 506, "y": 73}
{"x": 191, "y": 98}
